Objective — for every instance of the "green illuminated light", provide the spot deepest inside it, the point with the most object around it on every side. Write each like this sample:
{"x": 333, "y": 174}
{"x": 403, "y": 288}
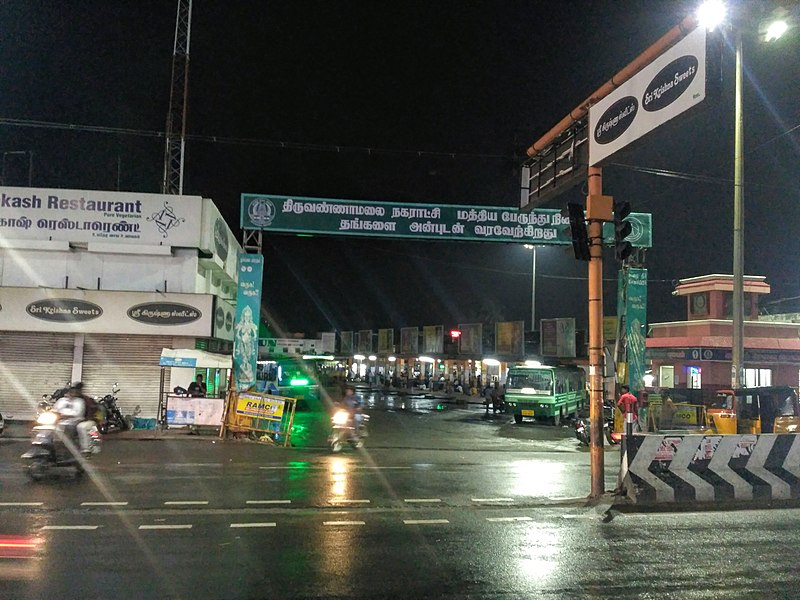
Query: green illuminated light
{"x": 298, "y": 382}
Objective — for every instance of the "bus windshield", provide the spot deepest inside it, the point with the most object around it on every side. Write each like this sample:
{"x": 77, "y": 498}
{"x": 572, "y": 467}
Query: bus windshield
{"x": 539, "y": 381}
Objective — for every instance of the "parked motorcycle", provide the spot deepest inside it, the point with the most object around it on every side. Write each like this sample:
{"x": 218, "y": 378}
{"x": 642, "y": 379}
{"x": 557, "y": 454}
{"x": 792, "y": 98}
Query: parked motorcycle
{"x": 110, "y": 417}
{"x": 345, "y": 431}
{"x": 54, "y": 443}
{"x": 582, "y": 426}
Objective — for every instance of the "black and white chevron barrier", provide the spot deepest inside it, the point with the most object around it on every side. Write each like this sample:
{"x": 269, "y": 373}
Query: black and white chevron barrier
{"x": 688, "y": 469}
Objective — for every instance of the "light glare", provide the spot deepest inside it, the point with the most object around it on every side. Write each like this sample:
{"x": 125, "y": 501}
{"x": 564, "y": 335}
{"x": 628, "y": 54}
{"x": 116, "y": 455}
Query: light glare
{"x": 776, "y": 29}
{"x": 711, "y": 13}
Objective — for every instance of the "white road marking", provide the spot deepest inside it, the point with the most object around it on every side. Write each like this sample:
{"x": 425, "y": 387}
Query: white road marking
{"x": 346, "y": 501}
{"x": 426, "y": 521}
{"x": 180, "y": 502}
{"x": 241, "y": 525}
{"x": 165, "y": 526}
{"x": 422, "y": 500}
{"x": 21, "y": 503}
{"x": 344, "y": 523}
{"x": 66, "y": 527}
{"x": 507, "y": 519}
{"x": 269, "y": 502}
{"x": 492, "y": 499}
{"x": 104, "y": 504}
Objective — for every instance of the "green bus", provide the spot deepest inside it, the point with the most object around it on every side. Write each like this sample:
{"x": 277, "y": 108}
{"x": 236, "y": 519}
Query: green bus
{"x": 541, "y": 392}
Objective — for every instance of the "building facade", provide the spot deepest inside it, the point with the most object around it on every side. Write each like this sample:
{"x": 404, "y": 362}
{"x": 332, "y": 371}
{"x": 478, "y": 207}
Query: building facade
{"x": 93, "y": 284}
{"x": 696, "y": 353}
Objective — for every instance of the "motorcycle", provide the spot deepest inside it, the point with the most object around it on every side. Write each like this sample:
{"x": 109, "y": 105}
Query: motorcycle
{"x": 110, "y": 416}
{"x": 54, "y": 443}
{"x": 2, "y": 424}
{"x": 582, "y": 427}
{"x": 345, "y": 430}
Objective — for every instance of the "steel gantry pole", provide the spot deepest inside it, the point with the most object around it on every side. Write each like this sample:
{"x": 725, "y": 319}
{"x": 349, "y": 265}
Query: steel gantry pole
{"x": 737, "y": 308}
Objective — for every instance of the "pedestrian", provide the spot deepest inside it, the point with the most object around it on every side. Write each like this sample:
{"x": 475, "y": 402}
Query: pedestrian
{"x": 627, "y": 402}
{"x": 198, "y": 388}
{"x": 667, "y": 411}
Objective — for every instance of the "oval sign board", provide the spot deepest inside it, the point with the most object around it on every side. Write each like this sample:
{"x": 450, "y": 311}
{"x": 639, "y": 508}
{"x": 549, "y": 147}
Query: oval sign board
{"x": 64, "y": 310}
{"x": 164, "y": 313}
{"x": 616, "y": 120}
{"x": 670, "y": 82}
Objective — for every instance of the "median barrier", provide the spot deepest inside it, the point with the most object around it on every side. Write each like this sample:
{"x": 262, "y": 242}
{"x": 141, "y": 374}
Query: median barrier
{"x": 694, "y": 469}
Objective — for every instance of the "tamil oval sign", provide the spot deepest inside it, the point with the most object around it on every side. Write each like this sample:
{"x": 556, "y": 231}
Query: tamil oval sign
{"x": 670, "y": 83}
{"x": 64, "y": 310}
{"x": 616, "y": 120}
{"x": 164, "y": 313}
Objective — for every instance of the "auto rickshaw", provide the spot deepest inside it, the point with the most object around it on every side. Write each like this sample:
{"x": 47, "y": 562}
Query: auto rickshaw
{"x": 771, "y": 409}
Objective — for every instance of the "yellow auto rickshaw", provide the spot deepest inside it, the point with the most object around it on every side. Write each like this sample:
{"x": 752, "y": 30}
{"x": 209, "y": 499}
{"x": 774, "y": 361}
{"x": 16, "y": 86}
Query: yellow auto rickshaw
{"x": 771, "y": 409}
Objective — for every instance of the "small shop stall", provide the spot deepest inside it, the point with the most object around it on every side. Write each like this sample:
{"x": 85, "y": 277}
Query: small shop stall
{"x": 176, "y": 407}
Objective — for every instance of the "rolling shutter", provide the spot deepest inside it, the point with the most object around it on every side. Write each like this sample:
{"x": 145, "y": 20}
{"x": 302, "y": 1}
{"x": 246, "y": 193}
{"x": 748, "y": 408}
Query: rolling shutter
{"x": 132, "y": 363}
{"x": 32, "y": 364}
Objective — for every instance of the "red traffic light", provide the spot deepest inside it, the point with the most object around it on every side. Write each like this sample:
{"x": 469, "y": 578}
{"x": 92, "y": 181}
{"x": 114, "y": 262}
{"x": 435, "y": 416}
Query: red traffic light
{"x": 455, "y": 333}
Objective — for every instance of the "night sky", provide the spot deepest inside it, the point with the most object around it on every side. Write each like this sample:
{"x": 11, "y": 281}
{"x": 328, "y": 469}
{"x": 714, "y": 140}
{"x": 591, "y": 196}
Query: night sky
{"x": 447, "y": 95}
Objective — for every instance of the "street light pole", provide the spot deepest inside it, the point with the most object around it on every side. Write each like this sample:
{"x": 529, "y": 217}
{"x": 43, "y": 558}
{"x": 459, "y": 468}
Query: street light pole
{"x": 533, "y": 285}
{"x": 737, "y": 353}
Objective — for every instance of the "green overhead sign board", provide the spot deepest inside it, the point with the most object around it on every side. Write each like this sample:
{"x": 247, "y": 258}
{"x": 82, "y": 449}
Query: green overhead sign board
{"x": 431, "y": 222}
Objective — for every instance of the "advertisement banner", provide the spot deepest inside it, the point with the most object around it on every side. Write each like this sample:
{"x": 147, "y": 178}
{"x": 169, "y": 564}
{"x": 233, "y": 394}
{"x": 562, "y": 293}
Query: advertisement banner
{"x": 385, "y": 341}
{"x": 331, "y": 216}
{"x": 433, "y": 339}
{"x": 510, "y": 338}
{"x": 194, "y": 411}
{"x": 248, "y": 317}
{"x": 365, "y": 341}
{"x": 347, "y": 342}
{"x": 224, "y": 313}
{"x": 327, "y": 342}
{"x": 409, "y": 341}
{"x": 99, "y": 311}
{"x": 260, "y": 406}
{"x": 558, "y": 337}
{"x": 471, "y": 340}
{"x": 673, "y": 83}
{"x": 99, "y": 216}
{"x": 636, "y": 326}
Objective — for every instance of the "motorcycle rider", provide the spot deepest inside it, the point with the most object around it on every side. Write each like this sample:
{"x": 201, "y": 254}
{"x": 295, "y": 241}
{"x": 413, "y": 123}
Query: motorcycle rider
{"x": 352, "y": 404}
{"x": 78, "y": 405}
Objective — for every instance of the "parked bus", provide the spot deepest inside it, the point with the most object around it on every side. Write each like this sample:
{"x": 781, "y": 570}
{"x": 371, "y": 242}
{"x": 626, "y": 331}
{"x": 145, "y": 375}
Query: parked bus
{"x": 541, "y": 392}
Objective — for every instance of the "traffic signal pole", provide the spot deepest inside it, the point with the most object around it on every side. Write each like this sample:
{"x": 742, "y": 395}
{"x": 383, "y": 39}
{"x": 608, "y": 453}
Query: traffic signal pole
{"x": 595, "y": 186}
{"x": 596, "y": 339}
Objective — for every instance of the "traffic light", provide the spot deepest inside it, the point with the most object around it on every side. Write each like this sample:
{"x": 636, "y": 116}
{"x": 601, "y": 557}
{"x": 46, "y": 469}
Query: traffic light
{"x": 622, "y": 229}
{"x": 580, "y": 235}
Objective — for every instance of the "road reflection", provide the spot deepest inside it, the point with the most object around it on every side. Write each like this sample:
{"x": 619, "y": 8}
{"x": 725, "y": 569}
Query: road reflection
{"x": 537, "y": 478}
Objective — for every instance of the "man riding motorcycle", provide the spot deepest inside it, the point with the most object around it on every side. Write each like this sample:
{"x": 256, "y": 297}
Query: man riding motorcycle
{"x": 352, "y": 404}
{"x": 78, "y": 405}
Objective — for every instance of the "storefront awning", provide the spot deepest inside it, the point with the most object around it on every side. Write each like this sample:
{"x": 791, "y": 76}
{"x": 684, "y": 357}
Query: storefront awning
{"x": 194, "y": 359}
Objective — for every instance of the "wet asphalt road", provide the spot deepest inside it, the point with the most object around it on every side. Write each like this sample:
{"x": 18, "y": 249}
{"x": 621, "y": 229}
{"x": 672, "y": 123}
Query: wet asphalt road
{"x": 440, "y": 504}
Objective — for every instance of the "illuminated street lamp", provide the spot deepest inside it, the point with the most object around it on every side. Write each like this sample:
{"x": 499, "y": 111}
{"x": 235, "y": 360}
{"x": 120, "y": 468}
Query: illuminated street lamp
{"x": 711, "y": 14}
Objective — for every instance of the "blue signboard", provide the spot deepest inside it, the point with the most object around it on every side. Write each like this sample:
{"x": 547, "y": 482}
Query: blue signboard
{"x": 248, "y": 313}
{"x": 177, "y": 361}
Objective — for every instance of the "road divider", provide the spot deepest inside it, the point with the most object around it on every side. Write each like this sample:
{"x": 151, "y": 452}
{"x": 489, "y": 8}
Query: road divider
{"x": 694, "y": 469}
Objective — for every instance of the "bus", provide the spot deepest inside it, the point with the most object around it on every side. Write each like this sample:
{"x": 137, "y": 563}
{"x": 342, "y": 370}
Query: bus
{"x": 296, "y": 377}
{"x": 546, "y": 393}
